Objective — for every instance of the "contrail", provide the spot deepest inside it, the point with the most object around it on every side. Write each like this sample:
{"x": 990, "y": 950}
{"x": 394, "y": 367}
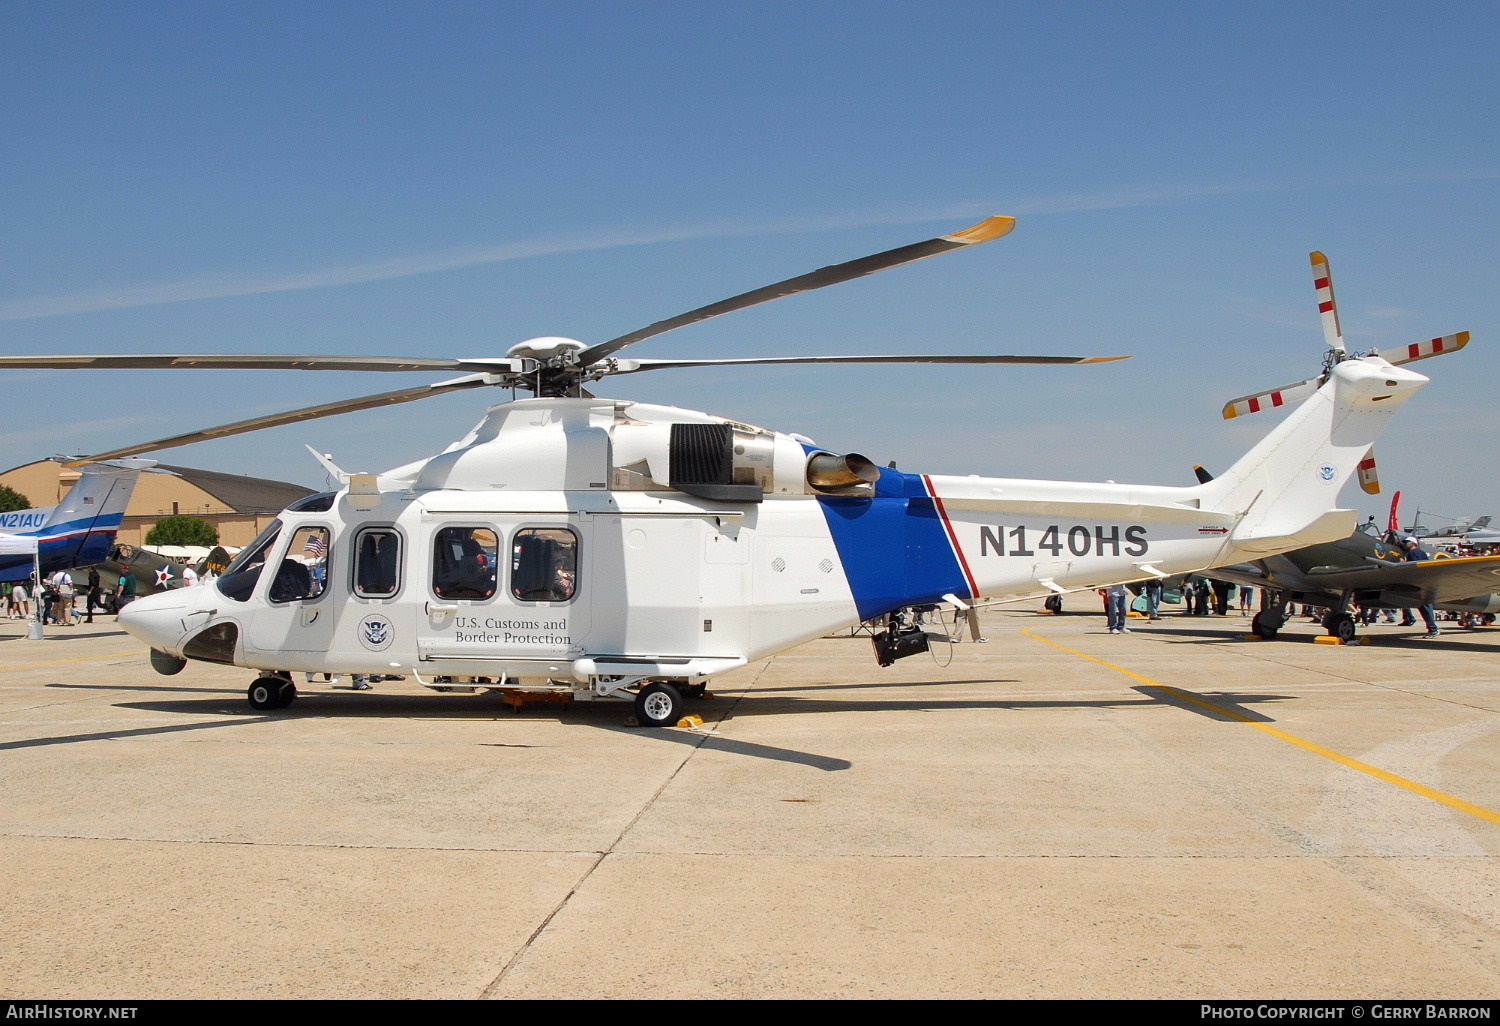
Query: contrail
{"x": 408, "y": 265}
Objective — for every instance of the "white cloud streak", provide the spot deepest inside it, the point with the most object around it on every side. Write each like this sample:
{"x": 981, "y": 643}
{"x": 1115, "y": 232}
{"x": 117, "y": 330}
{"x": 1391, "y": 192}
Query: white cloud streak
{"x": 408, "y": 265}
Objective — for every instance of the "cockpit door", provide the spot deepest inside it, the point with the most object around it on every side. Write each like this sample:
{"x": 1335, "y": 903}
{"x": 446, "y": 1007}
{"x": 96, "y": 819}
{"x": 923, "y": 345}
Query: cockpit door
{"x": 293, "y": 610}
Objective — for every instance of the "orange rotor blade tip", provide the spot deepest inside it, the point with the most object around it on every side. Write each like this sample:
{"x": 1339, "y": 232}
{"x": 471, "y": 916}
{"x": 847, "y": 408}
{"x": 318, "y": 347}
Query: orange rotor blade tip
{"x": 984, "y": 231}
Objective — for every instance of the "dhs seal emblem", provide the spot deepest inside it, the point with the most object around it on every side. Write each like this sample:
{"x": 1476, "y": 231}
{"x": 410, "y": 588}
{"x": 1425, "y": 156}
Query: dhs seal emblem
{"x": 1326, "y": 472}
{"x": 376, "y": 632}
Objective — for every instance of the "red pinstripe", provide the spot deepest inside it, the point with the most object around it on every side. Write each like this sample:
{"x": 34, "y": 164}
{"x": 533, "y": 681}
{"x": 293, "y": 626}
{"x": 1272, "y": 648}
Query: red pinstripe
{"x": 952, "y": 537}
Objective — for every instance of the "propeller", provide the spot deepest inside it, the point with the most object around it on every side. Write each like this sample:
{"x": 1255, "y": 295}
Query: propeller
{"x": 546, "y": 366}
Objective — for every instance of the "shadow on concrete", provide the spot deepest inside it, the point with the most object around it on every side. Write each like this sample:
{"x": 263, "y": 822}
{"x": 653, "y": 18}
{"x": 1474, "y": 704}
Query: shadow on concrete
{"x": 882, "y": 684}
{"x": 145, "y": 687}
{"x": 116, "y": 735}
{"x": 1220, "y": 706}
{"x": 608, "y": 716}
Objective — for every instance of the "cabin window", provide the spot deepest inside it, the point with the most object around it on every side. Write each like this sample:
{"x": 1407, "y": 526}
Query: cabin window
{"x": 544, "y": 565}
{"x": 377, "y": 563}
{"x": 241, "y": 575}
{"x": 303, "y": 572}
{"x": 463, "y": 563}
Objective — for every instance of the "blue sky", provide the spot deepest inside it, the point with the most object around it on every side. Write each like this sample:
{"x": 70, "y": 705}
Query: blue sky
{"x": 447, "y": 179}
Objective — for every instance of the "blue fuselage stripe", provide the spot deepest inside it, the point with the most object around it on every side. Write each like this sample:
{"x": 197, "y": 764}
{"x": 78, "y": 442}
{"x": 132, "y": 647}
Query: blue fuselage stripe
{"x": 894, "y": 547}
{"x": 66, "y": 545}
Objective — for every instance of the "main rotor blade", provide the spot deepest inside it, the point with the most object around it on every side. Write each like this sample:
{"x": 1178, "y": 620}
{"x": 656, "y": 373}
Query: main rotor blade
{"x": 229, "y": 361}
{"x": 984, "y": 231}
{"x": 634, "y": 366}
{"x": 405, "y": 395}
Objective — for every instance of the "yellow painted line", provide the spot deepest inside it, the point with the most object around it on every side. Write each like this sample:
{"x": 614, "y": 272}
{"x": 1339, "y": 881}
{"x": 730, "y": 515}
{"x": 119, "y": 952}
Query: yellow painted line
{"x": 1459, "y": 804}
{"x": 80, "y": 659}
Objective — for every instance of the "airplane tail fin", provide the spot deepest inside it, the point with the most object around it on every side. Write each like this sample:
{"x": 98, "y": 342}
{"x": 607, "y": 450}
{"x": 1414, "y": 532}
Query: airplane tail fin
{"x": 80, "y": 529}
{"x": 214, "y": 564}
{"x": 1287, "y": 486}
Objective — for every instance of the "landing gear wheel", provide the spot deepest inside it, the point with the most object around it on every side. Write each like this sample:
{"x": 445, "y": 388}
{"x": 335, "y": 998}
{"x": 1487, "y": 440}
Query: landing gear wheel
{"x": 658, "y": 705}
{"x": 1341, "y": 626}
{"x": 271, "y": 693}
{"x": 1266, "y": 624}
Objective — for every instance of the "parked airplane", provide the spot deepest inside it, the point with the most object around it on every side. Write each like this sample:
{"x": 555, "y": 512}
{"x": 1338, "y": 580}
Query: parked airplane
{"x": 80, "y": 529}
{"x": 1465, "y": 531}
{"x": 1369, "y": 569}
{"x": 154, "y": 572}
{"x": 589, "y": 548}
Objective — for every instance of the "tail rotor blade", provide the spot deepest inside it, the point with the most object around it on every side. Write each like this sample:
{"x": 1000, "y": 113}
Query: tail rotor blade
{"x": 1273, "y": 397}
{"x": 1429, "y": 347}
{"x": 1333, "y": 334}
{"x": 1368, "y": 480}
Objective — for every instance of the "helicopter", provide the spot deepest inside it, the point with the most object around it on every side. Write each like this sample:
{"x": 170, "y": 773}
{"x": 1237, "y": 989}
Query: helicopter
{"x": 585, "y": 548}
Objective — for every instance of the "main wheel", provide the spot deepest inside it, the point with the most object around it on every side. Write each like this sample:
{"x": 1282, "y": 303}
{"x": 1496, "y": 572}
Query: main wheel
{"x": 265, "y": 693}
{"x": 1341, "y": 626}
{"x": 658, "y": 705}
{"x": 1266, "y": 624}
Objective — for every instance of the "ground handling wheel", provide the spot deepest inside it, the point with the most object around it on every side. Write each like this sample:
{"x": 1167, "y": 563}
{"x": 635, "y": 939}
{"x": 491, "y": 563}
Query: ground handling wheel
{"x": 658, "y": 704}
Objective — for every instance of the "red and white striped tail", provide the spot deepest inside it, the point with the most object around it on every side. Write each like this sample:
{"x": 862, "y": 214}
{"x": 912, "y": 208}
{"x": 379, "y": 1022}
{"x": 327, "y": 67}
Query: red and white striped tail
{"x": 1247, "y": 404}
{"x": 1422, "y": 350}
{"x": 1333, "y": 334}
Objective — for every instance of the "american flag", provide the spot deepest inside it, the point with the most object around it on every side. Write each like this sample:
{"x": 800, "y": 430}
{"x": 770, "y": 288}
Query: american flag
{"x": 316, "y": 546}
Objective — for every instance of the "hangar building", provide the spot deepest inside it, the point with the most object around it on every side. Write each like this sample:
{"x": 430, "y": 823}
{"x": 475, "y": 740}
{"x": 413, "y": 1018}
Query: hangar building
{"x": 238, "y": 506}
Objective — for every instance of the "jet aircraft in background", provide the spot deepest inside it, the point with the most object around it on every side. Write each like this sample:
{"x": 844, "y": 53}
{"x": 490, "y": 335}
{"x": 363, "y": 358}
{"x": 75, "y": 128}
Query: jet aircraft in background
{"x": 79, "y": 530}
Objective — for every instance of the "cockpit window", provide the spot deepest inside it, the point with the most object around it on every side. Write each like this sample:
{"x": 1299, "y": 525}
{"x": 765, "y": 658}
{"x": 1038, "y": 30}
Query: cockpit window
{"x": 240, "y": 577}
{"x": 303, "y": 572}
{"x": 544, "y": 565}
{"x": 322, "y": 502}
{"x": 463, "y": 563}
{"x": 377, "y": 563}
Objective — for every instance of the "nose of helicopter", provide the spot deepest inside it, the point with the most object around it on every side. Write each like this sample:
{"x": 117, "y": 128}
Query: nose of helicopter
{"x": 158, "y": 619}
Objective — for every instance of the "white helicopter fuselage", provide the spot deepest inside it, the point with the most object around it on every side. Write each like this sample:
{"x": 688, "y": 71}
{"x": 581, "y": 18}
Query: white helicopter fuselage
{"x": 593, "y": 544}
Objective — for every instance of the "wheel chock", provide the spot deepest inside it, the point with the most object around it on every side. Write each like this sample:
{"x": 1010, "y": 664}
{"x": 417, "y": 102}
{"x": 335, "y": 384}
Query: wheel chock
{"x": 690, "y": 721}
{"x": 1363, "y": 640}
{"x": 1327, "y": 639}
{"x": 1252, "y": 637}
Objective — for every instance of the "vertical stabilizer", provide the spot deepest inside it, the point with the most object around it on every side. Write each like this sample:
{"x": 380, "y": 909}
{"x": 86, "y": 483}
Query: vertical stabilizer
{"x": 1288, "y": 485}
{"x": 80, "y": 529}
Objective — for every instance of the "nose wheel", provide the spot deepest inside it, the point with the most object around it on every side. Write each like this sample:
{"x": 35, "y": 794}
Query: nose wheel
{"x": 271, "y": 693}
